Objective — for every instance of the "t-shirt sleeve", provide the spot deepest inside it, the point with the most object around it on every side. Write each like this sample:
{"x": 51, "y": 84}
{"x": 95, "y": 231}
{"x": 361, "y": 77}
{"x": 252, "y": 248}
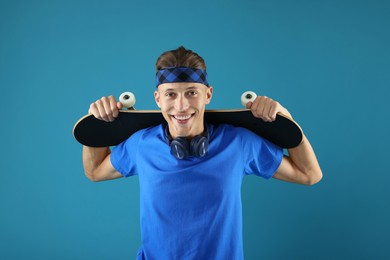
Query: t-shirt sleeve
{"x": 262, "y": 157}
{"x": 124, "y": 156}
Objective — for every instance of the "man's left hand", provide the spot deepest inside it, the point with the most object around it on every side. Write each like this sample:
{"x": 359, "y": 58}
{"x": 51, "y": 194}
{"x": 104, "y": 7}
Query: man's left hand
{"x": 266, "y": 108}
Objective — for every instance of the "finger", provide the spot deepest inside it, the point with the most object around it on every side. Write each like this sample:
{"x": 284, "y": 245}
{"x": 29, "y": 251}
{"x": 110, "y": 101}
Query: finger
{"x": 266, "y": 108}
{"x": 113, "y": 109}
{"x": 270, "y": 110}
{"x": 259, "y": 107}
{"x": 94, "y": 110}
{"x": 109, "y": 107}
{"x": 119, "y": 105}
{"x": 255, "y": 108}
{"x": 272, "y": 113}
{"x": 100, "y": 105}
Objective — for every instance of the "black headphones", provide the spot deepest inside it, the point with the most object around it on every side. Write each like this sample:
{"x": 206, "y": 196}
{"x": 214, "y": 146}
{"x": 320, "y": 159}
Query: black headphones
{"x": 181, "y": 147}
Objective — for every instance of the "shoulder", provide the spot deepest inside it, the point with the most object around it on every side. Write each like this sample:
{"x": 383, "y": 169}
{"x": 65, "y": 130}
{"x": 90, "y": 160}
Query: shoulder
{"x": 233, "y": 131}
{"x": 146, "y": 133}
{"x": 141, "y": 137}
{"x": 239, "y": 135}
{"x": 232, "y": 136}
{"x": 153, "y": 131}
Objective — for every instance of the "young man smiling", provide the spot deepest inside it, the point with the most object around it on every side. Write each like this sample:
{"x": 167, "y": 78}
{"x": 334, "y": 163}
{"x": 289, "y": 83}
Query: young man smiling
{"x": 190, "y": 172}
{"x": 183, "y": 107}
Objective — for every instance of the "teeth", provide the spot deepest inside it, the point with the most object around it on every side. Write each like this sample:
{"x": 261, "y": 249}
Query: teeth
{"x": 182, "y": 117}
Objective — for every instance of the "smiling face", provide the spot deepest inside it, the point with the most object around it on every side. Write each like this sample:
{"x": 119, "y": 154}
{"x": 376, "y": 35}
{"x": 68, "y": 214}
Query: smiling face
{"x": 183, "y": 107}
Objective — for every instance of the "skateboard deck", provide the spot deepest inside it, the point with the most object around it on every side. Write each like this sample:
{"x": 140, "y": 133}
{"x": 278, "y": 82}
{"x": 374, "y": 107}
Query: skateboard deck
{"x": 93, "y": 132}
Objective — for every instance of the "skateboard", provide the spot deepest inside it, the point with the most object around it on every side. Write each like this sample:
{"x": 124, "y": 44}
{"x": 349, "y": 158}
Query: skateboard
{"x": 93, "y": 132}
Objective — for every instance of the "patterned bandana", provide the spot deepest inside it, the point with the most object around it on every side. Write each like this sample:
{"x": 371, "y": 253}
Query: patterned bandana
{"x": 181, "y": 74}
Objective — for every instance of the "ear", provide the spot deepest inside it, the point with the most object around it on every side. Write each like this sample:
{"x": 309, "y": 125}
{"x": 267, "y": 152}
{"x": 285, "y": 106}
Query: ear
{"x": 209, "y": 94}
{"x": 157, "y": 98}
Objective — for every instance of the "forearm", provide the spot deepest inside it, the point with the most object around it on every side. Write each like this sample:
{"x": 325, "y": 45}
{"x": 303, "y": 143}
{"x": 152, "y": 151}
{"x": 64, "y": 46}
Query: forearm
{"x": 305, "y": 160}
{"x": 96, "y": 161}
{"x": 301, "y": 166}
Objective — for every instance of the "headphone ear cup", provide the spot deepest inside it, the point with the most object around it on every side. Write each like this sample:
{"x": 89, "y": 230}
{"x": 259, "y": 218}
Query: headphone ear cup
{"x": 199, "y": 145}
{"x": 180, "y": 148}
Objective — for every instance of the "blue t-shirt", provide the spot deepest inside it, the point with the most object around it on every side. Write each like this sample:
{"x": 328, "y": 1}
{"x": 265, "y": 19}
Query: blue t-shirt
{"x": 191, "y": 208}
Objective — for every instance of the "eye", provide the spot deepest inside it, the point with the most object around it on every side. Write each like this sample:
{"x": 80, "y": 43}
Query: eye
{"x": 192, "y": 93}
{"x": 170, "y": 94}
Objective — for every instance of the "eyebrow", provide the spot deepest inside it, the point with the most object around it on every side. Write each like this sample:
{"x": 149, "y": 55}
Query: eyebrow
{"x": 175, "y": 89}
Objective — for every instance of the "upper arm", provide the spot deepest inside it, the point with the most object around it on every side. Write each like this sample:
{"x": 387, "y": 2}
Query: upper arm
{"x": 97, "y": 164}
{"x": 300, "y": 166}
{"x": 106, "y": 171}
{"x": 289, "y": 172}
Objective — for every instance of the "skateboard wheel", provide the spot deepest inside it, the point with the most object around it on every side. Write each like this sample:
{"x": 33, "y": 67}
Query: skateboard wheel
{"x": 127, "y": 99}
{"x": 248, "y": 96}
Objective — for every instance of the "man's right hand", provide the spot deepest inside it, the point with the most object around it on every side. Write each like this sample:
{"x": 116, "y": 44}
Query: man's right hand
{"x": 106, "y": 108}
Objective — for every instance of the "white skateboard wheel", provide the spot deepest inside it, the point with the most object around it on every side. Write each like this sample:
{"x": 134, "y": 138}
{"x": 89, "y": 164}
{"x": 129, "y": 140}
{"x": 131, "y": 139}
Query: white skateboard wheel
{"x": 248, "y": 96}
{"x": 127, "y": 99}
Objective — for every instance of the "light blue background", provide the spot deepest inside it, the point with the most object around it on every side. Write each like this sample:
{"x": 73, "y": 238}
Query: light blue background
{"x": 326, "y": 61}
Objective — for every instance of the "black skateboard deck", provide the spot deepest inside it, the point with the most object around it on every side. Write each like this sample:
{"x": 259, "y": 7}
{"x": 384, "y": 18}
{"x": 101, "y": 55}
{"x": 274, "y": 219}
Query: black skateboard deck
{"x": 93, "y": 132}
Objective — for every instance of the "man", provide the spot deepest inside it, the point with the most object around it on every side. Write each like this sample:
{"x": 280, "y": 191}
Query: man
{"x": 190, "y": 172}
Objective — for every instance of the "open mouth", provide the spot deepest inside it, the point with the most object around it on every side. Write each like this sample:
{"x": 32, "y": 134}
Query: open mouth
{"x": 182, "y": 119}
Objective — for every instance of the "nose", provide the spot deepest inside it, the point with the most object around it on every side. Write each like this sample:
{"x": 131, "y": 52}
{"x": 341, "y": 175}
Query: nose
{"x": 181, "y": 103}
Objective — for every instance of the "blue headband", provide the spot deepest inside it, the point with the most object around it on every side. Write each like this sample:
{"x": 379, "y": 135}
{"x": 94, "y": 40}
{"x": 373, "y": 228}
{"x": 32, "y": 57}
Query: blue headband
{"x": 181, "y": 74}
